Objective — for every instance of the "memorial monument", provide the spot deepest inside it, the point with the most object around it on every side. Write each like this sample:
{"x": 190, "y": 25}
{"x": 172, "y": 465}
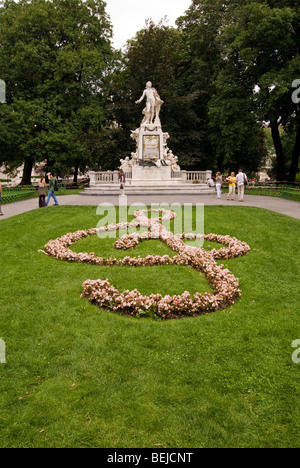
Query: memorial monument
{"x": 153, "y": 161}
{"x": 153, "y": 166}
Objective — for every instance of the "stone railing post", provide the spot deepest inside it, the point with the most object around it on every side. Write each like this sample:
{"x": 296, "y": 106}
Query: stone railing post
{"x": 92, "y": 176}
{"x": 116, "y": 177}
{"x": 208, "y": 175}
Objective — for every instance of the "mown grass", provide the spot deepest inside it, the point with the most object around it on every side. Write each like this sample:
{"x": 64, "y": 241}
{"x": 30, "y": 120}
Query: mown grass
{"x": 287, "y": 193}
{"x": 90, "y": 378}
{"x": 11, "y": 196}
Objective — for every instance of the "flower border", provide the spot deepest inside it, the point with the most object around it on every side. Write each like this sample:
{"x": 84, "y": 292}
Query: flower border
{"x": 224, "y": 284}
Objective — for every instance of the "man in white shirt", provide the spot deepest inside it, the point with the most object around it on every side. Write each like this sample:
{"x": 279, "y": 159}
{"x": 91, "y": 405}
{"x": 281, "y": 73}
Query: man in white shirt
{"x": 241, "y": 180}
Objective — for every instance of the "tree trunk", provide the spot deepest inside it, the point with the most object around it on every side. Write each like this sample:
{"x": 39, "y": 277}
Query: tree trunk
{"x": 281, "y": 176}
{"x": 295, "y": 155}
{"x": 28, "y": 166}
{"x": 49, "y": 165}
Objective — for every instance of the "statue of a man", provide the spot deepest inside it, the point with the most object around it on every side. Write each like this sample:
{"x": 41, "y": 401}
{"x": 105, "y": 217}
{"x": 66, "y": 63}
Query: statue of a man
{"x": 153, "y": 104}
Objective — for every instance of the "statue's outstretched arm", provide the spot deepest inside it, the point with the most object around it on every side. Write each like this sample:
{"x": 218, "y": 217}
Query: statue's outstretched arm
{"x": 140, "y": 100}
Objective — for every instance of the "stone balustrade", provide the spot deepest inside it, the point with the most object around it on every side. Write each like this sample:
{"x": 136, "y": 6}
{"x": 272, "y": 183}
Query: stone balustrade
{"x": 112, "y": 177}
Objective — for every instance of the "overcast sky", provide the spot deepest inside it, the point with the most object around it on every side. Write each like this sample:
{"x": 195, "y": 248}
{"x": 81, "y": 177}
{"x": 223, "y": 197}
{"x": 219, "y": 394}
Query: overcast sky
{"x": 128, "y": 16}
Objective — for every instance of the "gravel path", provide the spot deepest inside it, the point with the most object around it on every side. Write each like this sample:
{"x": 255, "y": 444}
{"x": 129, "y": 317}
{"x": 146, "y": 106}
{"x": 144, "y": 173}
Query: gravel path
{"x": 278, "y": 205}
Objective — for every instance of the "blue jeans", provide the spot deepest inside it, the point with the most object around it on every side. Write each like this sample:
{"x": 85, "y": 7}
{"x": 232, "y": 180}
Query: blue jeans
{"x": 51, "y": 194}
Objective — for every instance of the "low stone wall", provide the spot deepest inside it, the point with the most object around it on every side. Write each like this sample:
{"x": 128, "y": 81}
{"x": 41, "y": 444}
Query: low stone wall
{"x": 112, "y": 177}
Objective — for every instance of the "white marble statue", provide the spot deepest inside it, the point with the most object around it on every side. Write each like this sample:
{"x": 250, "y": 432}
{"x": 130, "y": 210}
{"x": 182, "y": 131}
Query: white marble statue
{"x": 153, "y": 104}
{"x": 172, "y": 161}
{"x": 126, "y": 164}
{"x": 151, "y": 130}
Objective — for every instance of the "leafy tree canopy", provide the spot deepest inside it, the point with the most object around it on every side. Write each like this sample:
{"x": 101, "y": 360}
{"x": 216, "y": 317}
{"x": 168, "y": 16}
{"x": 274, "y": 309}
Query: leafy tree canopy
{"x": 54, "y": 56}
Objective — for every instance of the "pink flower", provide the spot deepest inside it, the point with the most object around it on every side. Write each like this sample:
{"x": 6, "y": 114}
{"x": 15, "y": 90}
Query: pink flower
{"x": 225, "y": 286}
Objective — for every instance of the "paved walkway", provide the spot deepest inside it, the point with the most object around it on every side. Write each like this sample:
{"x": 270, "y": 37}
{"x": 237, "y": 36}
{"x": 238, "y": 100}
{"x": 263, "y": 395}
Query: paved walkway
{"x": 287, "y": 207}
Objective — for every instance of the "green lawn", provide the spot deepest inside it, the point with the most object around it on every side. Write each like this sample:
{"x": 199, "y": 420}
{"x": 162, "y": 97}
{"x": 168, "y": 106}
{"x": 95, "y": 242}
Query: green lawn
{"x": 11, "y": 196}
{"x": 90, "y": 378}
{"x": 288, "y": 193}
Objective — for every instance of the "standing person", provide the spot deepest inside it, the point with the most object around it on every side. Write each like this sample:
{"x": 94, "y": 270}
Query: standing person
{"x": 42, "y": 193}
{"x": 122, "y": 180}
{"x": 241, "y": 180}
{"x": 219, "y": 181}
{"x": 1, "y": 214}
{"x": 51, "y": 193}
{"x": 232, "y": 180}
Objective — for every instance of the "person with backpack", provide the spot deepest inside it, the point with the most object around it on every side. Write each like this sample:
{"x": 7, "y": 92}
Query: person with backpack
{"x": 52, "y": 188}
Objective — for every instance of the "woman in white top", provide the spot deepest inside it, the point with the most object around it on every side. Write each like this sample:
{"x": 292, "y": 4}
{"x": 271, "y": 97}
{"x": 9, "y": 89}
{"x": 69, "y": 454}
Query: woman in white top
{"x": 42, "y": 193}
{"x": 219, "y": 181}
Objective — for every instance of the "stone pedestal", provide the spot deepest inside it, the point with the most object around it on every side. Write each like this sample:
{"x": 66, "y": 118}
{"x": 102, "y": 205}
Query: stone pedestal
{"x": 153, "y": 168}
{"x": 151, "y": 173}
{"x": 151, "y": 142}
{"x": 153, "y": 176}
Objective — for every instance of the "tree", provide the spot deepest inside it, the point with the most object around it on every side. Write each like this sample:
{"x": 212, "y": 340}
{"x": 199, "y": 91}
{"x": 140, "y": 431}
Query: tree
{"x": 237, "y": 137}
{"x": 244, "y": 56}
{"x": 263, "y": 41}
{"x": 199, "y": 27}
{"x": 53, "y": 57}
{"x": 157, "y": 54}
{"x": 232, "y": 132}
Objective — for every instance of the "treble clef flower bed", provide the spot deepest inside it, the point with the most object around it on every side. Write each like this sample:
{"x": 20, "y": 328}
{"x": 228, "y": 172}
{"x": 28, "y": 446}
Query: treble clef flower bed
{"x": 224, "y": 284}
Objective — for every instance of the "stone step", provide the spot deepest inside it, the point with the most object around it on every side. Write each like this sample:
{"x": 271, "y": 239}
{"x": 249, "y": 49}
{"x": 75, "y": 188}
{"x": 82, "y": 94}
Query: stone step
{"x": 188, "y": 189}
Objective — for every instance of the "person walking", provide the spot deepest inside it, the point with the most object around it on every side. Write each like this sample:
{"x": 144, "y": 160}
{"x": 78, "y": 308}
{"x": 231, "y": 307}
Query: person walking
{"x": 232, "y": 180}
{"x": 51, "y": 193}
{"x": 1, "y": 214}
{"x": 219, "y": 181}
{"x": 241, "y": 180}
{"x": 42, "y": 193}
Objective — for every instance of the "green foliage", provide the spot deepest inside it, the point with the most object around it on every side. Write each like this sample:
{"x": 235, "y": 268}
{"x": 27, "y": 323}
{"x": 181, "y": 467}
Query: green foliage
{"x": 223, "y": 73}
{"x": 14, "y": 196}
{"x": 262, "y": 44}
{"x": 91, "y": 378}
{"x": 53, "y": 59}
{"x": 244, "y": 58}
{"x": 157, "y": 54}
{"x": 25, "y": 193}
{"x": 236, "y": 136}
